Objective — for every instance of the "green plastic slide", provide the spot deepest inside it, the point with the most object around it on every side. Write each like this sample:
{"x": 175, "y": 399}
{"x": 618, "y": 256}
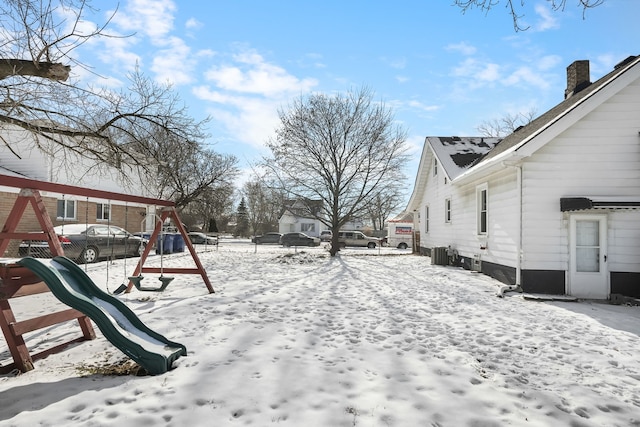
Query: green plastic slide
{"x": 71, "y": 285}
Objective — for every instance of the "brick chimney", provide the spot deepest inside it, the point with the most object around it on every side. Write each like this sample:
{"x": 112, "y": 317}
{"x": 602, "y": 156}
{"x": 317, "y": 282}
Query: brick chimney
{"x": 577, "y": 77}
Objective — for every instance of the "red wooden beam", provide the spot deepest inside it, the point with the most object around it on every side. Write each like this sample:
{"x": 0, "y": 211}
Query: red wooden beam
{"x": 18, "y": 182}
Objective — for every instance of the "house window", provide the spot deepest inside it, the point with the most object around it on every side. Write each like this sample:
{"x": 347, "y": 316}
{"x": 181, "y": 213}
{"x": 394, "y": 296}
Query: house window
{"x": 435, "y": 167}
{"x": 103, "y": 211}
{"x": 426, "y": 219}
{"x": 482, "y": 208}
{"x": 447, "y": 210}
{"x": 66, "y": 209}
{"x": 308, "y": 228}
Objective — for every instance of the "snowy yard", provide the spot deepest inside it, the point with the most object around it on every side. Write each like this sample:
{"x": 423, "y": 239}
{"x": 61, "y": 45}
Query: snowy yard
{"x": 374, "y": 337}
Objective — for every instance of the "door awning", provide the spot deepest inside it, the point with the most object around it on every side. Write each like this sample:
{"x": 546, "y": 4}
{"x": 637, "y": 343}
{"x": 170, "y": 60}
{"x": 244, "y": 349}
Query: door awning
{"x": 568, "y": 204}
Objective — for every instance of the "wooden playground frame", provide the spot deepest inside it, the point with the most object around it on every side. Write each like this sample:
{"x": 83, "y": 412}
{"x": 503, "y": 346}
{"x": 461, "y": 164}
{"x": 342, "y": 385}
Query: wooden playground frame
{"x": 17, "y": 281}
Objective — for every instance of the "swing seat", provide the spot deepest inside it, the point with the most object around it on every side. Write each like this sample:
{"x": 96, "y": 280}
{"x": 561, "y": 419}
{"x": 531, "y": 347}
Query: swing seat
{"x": 164, "y": 279}
{"x": 134, "y": 279}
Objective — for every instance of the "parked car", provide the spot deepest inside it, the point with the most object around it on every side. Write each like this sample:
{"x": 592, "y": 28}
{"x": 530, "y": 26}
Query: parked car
{"x": 298, "y": 239}
{"x": 271, "y": 237}
{"x": 87, "y": 243}
{"x": 325, "y": 235}
{"x": 357, "y": 238}
{"x": 202, "y": 239}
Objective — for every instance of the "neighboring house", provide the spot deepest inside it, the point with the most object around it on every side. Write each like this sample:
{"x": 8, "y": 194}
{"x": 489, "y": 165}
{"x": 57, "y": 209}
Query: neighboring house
{"x": 54, "y": 165}
{"x": 298, "y": 216}
{"x": 553, "y": 207}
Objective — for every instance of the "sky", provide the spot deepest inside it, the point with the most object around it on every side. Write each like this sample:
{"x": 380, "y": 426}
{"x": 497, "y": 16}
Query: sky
{"x": 371, "y": 338}
{"x": 442, "y": 72}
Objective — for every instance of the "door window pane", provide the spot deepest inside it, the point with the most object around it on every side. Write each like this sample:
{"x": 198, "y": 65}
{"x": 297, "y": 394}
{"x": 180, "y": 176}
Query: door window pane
{"x": 588, "y": 246}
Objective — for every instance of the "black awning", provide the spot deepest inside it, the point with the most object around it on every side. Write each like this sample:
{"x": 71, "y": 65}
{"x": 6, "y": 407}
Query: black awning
{"x": 582, "y": 203}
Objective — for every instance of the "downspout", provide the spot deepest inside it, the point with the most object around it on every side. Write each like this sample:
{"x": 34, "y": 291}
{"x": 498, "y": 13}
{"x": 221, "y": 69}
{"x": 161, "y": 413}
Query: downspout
{"x": 519, "y": 235}
{"x": 517, "y": 286}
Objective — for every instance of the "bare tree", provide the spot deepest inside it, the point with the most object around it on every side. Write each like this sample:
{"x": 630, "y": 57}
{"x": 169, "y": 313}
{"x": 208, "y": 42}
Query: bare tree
{"x": 342, "y": 150}
{"x": 506, "y": 124}
{"x": 383, "y": 205}
{"x": 213, "y": 207}
{"x": 185, "y": 169}
{"x": 264, "y": 205}
{"x": 514, "y": 10}
{"x": 37, "y": 92}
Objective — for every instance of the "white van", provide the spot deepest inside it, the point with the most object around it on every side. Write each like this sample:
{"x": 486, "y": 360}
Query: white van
{"x": 357, "y": 238}
{"x": 400, "y": 234}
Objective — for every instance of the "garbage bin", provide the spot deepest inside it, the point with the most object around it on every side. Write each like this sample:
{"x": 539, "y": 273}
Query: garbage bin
{"x": 165, "y": 243}
{"x": 439, "y": 256}
{"x": 178, "y": 243}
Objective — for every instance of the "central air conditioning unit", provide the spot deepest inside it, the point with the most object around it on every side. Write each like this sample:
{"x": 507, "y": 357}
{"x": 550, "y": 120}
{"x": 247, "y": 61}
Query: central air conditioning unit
{"x": 439, "y": 256}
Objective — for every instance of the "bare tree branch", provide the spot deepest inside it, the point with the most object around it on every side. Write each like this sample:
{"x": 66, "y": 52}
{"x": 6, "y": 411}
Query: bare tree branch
{"x": 506, "y": 124}
{"x": 487, "y": 5}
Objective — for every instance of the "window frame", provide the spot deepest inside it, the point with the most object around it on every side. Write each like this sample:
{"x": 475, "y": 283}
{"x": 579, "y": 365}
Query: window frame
{"x": 100, "y": 209}
{"x": 447, "y": 210}
{"x": 426, "y": 219}
{"x": 308, "y": 227}
{"x": 62, "y": 209}
{"x": 482, "y": 210}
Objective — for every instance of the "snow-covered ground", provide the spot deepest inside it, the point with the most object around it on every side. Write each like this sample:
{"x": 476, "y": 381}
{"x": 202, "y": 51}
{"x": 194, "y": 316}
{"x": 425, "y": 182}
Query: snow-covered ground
{"x": 370, "y": 338}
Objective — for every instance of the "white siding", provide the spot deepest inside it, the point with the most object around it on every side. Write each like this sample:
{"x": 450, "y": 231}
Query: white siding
{"x": 598, "y": 156}
{"x": 500, "y": 242}
{"x": 63, "y": 166}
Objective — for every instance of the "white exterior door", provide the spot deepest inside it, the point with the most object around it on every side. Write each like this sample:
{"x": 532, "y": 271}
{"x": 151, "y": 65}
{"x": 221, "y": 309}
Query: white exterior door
{"x": 588, "y": 273}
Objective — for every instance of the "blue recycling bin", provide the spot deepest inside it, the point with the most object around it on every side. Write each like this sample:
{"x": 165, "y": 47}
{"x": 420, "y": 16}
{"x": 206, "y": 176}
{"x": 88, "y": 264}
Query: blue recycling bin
{"x": 165, "y": 243}
{"x": 178, "y": 243}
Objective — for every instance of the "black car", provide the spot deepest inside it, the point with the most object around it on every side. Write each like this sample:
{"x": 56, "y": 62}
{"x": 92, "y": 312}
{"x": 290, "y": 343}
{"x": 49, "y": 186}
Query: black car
{"x": 271, "y": 237}
{"x": 298, "y": 239}
{"x": 87, "y": 243}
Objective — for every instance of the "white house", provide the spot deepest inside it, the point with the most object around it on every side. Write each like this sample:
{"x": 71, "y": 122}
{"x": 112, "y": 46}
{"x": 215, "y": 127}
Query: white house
{"x": 298, "y": 216}
{"x": 301, "y": 216}
{"x": 553, "y": 207}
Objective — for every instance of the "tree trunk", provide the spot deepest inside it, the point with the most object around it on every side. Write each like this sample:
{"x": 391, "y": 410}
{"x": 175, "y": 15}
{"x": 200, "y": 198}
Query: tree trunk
{"x": 46, "y": 70}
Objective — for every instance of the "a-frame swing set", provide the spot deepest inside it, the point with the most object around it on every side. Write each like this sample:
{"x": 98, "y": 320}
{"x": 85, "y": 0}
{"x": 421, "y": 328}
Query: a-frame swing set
{"x": 16, "y": 281}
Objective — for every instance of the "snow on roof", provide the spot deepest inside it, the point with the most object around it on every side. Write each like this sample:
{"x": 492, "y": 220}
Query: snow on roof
{"x": 457, "y": 154}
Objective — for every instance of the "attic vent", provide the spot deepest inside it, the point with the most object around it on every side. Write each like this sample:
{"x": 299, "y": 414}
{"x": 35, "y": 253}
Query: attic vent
{"x": 624, "y": 62}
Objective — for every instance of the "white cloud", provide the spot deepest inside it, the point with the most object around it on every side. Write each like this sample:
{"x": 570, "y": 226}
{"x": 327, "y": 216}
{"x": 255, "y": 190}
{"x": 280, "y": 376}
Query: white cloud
{"x": 526, "y": 75}
{"x": 489, "y": 73}
{"x": 421, "y": 106}
{"x": 249, "y": 119}
{"x": 548, "y": 62}
{"x": 153, "y": 18}
{"x": 246, "y": 92}
{"x": 397, "y": 63}
{"x": 402, "y": 79}
{"x": 547, "y": 19}
{"x": 193, "y": 24}
{"x": 462, "y": 47}
{"x": 250, "y": 73}
{"x": 174, "y": 64}
{"x": 478, "y": 71}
